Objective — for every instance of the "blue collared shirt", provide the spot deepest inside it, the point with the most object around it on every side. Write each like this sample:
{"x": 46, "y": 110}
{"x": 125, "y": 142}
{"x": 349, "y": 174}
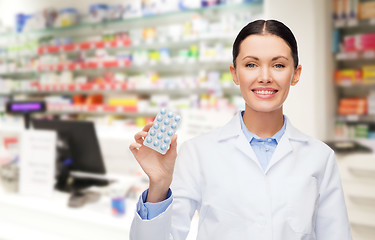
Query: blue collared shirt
{"x": 263, "y": 148}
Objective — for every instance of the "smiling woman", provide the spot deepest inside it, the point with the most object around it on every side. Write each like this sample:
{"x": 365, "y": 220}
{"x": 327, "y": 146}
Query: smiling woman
{"x": 257, "y": 177}
{"x": 265, "y": 65}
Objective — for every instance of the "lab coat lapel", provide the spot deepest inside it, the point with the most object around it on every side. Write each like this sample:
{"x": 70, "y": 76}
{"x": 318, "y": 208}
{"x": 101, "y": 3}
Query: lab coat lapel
{"x": 244, "y": 146}
{"x": 284, "y": 147}
{"x": 232, "y": 132}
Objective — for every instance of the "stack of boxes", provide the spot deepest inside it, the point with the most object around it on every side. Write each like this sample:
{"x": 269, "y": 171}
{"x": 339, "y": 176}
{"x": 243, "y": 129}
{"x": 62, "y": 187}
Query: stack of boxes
{"x": 353, "y": 106}
{"x": 346, "y": 10}
{"x": 364, "y": 75}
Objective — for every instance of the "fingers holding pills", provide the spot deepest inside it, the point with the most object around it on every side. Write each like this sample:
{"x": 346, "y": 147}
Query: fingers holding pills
{"x": 139, "y": 136}
{"x": 147, "y": 127}
{"x": 134, "y": 148}
{"x": 155, "y": 149}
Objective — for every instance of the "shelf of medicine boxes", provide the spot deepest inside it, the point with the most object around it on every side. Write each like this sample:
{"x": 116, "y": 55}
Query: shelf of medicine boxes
{"x": 356, "y": 118}
{"x": 126, "y": 45}
{"x": 124, "y": 65}
{"x": 108, "y": 88}
{"x": 254, "y": 6}
{"x": 354, "y": 23}
{"x": 351, "y": 27}
{"x": 355, "y": 56}
{"x": 251, "y": 8}
{"x": 354, "y": 60}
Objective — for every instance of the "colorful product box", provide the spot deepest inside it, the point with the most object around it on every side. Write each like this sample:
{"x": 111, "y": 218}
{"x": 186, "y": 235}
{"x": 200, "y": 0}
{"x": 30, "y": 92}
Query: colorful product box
{"x": 350, "y": 44}
{"x": 368, "y": 74}
{"x": 367, "y": 42}
{"x": 123, "y": 101}
{"x": 353, "y": 76}
{"x": 367, "y": 10}
{"x": 345, "y": 9}
{"x": 352, "y": 106}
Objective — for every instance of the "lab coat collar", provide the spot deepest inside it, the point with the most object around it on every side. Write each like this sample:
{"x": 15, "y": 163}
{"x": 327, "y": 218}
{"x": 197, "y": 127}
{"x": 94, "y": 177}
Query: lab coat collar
{"x": 233, "y": 131}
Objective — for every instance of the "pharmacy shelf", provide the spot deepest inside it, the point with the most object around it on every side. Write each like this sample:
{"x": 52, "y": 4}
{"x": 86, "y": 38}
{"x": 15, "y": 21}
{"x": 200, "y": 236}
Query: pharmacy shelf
{"x": 354, "y": 84}
{"x": 18, "y": 54}
{"x": 354, "y": 23}
{"x": 352, "y": 56}
{"x": 131, "y": 111}
{"x": 75, "y": 47}
{"x": 127, "y": 45}
{"x": 71, "y": 89}
{"x": 190, "y": 65}
{"x": 357, "y": 118}
{"x": 135, "y": 44}
{"x": 83, "y": 46}
{"x": 255, "y": 6}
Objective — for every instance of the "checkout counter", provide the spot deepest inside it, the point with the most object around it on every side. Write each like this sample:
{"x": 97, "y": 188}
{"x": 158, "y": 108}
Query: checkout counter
{"x": 25, "y": 216}
{"x": 31, "y": 217}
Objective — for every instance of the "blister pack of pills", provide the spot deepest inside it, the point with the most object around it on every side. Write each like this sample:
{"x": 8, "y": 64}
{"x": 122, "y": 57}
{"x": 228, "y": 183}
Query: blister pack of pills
{"x": 160, "y": 135}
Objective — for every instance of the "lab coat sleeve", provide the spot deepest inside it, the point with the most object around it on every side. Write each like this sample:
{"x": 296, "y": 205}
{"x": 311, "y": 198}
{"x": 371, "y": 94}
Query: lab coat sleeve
{"x": 332, "y": 220}
{"x": 174, "y": 223}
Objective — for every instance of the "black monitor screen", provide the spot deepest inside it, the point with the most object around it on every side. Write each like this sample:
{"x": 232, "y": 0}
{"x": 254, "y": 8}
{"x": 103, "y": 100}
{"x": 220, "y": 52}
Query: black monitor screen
{"x": 83, "y": 143}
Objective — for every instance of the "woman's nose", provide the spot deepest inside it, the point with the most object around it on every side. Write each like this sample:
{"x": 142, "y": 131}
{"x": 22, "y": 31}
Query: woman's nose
{"x": 265, "y": 76}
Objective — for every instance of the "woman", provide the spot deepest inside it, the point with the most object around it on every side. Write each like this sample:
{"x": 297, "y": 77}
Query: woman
{"x": 255, "y": 178}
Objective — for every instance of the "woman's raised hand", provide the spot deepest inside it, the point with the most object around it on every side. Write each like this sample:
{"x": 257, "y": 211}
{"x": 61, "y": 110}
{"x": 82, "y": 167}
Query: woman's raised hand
{"x": 158, "y": 167}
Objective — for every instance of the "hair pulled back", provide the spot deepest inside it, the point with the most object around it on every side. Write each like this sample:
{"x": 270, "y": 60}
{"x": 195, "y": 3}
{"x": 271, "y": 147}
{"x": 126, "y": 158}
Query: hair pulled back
{"x": 263, "y": 27}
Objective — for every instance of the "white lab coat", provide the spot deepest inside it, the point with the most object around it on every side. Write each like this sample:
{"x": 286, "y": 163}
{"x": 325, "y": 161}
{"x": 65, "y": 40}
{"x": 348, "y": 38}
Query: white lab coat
{"x": 299, "y": 196}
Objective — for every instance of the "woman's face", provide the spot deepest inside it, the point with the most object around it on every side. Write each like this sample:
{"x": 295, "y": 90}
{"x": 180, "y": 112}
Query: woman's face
{"x": 265, "y": 70}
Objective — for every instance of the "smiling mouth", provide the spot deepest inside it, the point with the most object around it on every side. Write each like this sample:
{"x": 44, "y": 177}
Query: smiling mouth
{"x": 265, "y": 92}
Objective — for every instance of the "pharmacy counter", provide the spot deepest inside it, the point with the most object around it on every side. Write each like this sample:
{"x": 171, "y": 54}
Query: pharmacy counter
{"x": 29, "y": 217}
{"x": 358, "y": 178}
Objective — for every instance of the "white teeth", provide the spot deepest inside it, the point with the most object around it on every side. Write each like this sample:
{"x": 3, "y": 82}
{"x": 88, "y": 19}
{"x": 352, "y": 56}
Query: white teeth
{"x": 266, "y": 92}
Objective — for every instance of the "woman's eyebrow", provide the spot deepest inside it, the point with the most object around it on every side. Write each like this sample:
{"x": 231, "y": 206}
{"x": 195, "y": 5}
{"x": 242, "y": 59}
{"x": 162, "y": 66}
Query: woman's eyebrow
{"x": 255, "y": 58}
{"x": 273, "y": 59}
{"x": 276, "y": 58}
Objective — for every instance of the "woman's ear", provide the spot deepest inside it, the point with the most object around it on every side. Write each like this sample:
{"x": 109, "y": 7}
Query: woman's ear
{"x": 234, "y": 74}
{"x": 296, "y": 76}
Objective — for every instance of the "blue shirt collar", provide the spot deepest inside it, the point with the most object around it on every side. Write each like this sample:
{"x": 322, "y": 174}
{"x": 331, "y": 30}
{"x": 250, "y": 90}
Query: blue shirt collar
{"x": 249, "y": 135}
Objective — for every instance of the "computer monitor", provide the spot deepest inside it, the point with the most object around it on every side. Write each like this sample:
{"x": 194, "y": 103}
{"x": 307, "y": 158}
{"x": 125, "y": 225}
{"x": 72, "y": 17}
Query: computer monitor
{"x": 81, "y": 153}
{"x": 25, "y": 108}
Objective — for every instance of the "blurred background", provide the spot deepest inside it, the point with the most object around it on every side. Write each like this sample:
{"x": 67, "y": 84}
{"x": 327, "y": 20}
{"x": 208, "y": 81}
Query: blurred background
{"x": 112, "y": 66}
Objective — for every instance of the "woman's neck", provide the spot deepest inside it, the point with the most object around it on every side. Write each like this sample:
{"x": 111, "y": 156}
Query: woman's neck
{"x": 263, "y": 124}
